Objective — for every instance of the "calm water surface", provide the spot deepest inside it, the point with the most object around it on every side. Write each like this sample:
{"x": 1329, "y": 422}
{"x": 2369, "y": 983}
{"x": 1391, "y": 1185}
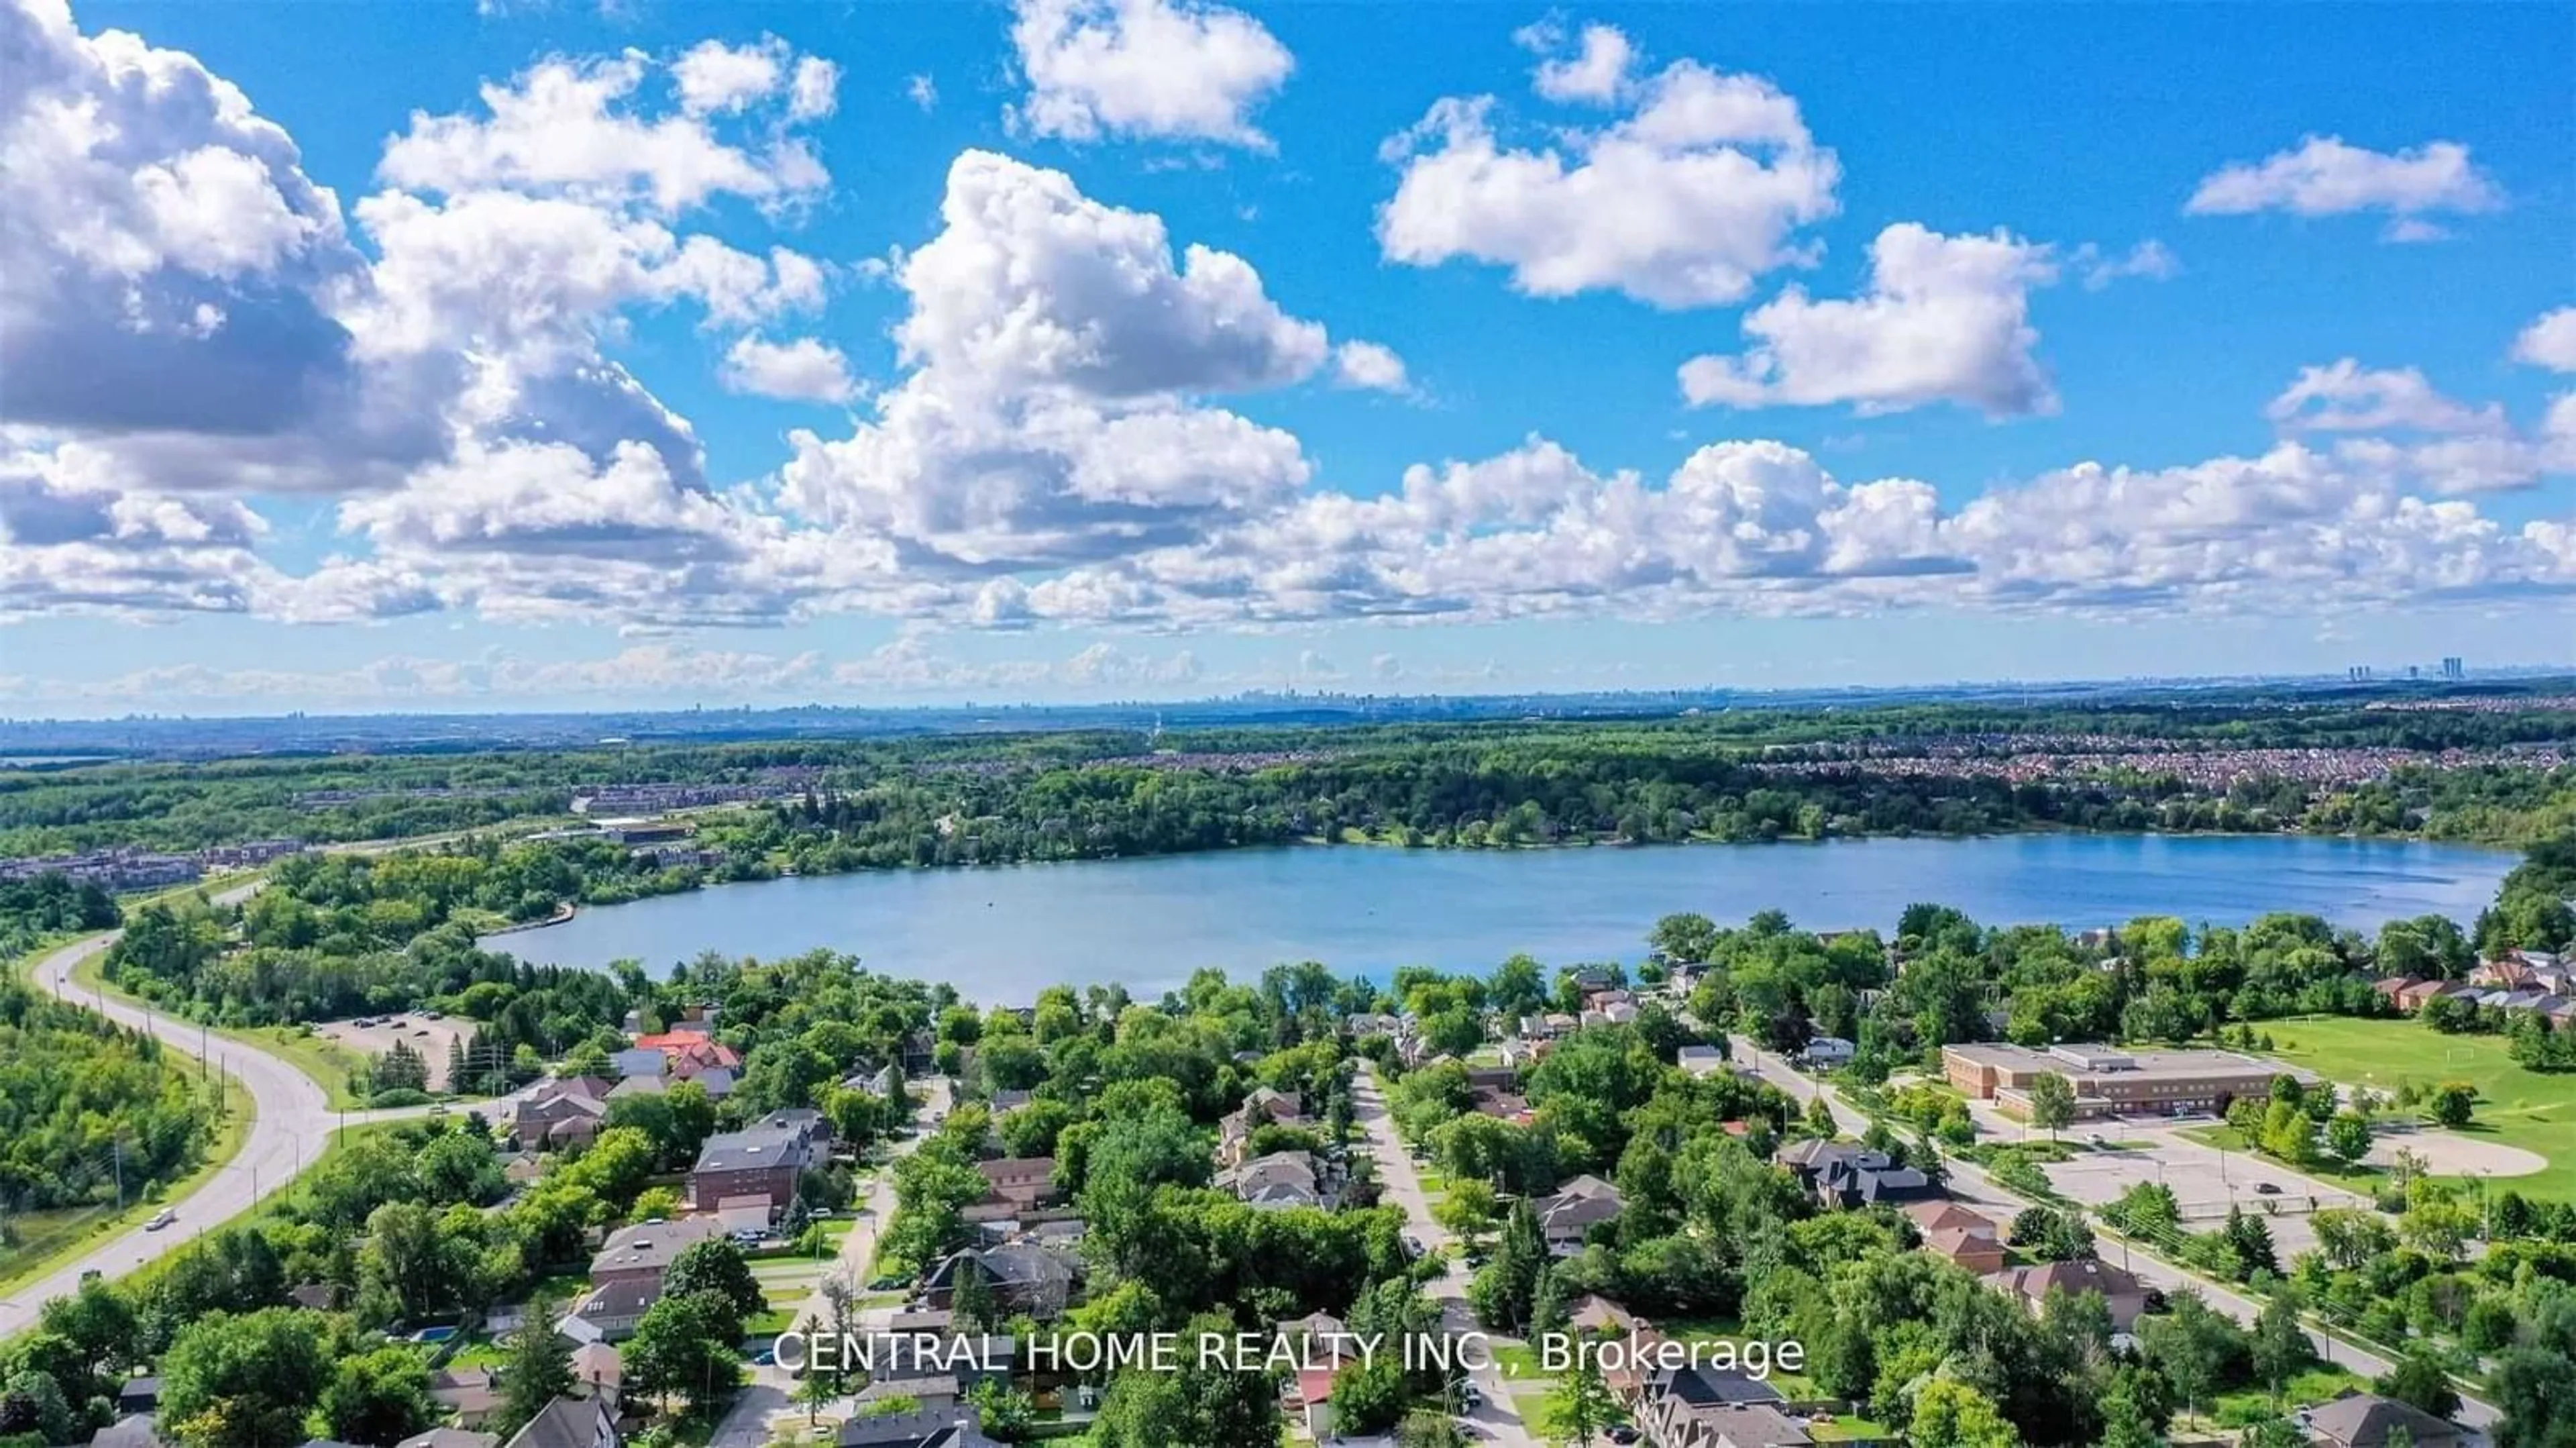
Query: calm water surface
{"x": 1001, "y": 934}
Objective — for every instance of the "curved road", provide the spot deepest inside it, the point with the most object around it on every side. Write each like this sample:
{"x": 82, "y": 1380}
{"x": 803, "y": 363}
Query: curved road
{"x": 293, "y": 1124}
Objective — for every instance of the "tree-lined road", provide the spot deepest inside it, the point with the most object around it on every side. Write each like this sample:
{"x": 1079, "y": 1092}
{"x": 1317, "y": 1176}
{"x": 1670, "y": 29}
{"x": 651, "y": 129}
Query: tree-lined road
{"x": 292, "y": 1125}
{"x": 1497, "y": 1418}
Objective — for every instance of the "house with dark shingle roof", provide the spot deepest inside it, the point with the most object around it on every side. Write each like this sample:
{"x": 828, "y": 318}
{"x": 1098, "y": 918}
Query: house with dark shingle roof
{"x": 2365, "y": 1420}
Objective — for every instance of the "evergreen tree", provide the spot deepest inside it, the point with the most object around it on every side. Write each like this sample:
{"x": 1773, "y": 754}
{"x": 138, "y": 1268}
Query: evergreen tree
{"x": 537, "y": 1369}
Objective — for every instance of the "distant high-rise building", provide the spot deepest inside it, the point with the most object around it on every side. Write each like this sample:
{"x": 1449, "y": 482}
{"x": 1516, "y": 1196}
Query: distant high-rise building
{"x": 2453, "y": 668}
{"x": 2414, "y": 671}
{"x": 2358, "y": 673}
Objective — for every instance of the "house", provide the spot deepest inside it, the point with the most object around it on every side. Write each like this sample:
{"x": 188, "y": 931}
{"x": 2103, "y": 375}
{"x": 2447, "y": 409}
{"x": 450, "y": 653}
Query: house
{"x": 1827, "y": 1051}
{"x": 570, "y": 1423}
{"x": 643, "y": 1252}
{"x": 451, "y": 1438}
{"x": 1843, "y": 1174}
{"x": 1595, "y": 1316}
{"x": 1570, "y": 1213}
{"x": 925, "y": 1428}
{"x": 138, "y": 1395}
{"x": 758, "y": 1164}
{"x": 598, "y": 1370}
{"x": 1493, "y": 1078}
{"x": 1978, "y": 1252}
{"x": 609, "y": 1312}
{"x": 1264, "y": 1107}
{"x": 692, "y": 1050}
{"x": 1033, "y": 1277}
{"x": 1670, "y": 1422}
{"x": 465, "y": 1394}
{"x": 1008, "y": 1100}
{"x": 1281, "y": 1179}
{"x": 1022, "y": 1181}
{"x": 926, "y": 1391}
{"x": 2121, "y": 1291}
{"x": 565, "y": 1111}
{"x": 140, "y": 1430}
{"x": 2414, "y": 997}
{"x": 2367, "y": 1420}
{"x": 1702, "y": 1060}
{"x": 638, "y": 1061}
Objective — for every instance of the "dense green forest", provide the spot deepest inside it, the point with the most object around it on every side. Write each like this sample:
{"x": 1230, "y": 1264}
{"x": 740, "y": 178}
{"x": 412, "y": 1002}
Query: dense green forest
{"x": 82, "y": 1101}
{"x": 1739, "y": 775}
{"x": 45, "y": 905}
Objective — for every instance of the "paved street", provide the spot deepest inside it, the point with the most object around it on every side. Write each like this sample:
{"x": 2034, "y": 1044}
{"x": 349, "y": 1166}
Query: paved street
{"x": 769, "y": 1393}
{"x": 1496, "y": 1420}
{"x": 1970, "y": 1184}
{"x": 292, "y": 1126}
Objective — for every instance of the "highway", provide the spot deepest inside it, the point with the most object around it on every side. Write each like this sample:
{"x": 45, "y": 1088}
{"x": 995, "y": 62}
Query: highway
{"x": 292, "y": 1126}
{"x": 1970, "y": 1184}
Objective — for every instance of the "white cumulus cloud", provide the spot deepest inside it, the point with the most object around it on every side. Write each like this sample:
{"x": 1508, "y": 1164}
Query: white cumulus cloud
{"x": 1681, "y": 203}
{"x": 1149, "y": 69}
{"x": 2325, "y": 176}
{"x": 1946, "y": 319}
{"x": 802, "y": 370}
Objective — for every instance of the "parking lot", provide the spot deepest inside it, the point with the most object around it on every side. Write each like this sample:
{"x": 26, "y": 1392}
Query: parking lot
{"x": 2205, "y": 1181}
{"x": 427, "y": 1036}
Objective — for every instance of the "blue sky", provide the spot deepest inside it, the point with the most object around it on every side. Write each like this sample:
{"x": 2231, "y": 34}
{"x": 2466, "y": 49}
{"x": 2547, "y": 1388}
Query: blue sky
{"x": 1738, "y": 345}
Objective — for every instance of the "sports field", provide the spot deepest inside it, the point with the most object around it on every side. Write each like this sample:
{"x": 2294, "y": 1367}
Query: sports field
{"x": 2516, "y": 1107}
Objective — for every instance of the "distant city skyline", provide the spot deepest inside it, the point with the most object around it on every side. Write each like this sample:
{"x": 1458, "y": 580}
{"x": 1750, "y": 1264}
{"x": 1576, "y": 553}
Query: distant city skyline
{"x": 540, "y": 356}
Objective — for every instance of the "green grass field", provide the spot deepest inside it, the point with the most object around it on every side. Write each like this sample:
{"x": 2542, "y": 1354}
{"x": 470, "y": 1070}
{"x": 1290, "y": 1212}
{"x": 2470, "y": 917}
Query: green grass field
{"x": 2516, "y": 1107}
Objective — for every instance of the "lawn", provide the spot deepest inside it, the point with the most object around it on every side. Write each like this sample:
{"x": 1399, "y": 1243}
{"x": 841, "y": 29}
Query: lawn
{"x": 1851, "y": 1430}
{"x": 2366, "y": 1180}
{"x": 2318, "y": 1384}
{"x": 2516, "y": 1107}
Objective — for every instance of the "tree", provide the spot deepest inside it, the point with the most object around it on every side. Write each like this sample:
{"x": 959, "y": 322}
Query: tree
{"x": 688, "y": 1343}
{"x": 537, "y": 1368}
{"x": 2281, "y": 1346}
{"x": 1950, "y": 1414}
{"x": 379, "y": 1397}
{"x": 663, "y": 1202}
{"x": 32, "y": 1404}
{"x": 1581, "y": 1400}
{"x": 243, "y": 1381}
{"x": 2420, "y": 1379}
{"x": 1008, "y": 1415}
{"x": 715, "y": 1264}
{"x": 2052, "y": 1102}
{"x": 2191, "y": 1347}
{"x": 2348, "y": 1136}
{"x": 1819, "y": 1119}
{"x": 2535, "y": 1395}
{"x": 973, "y": 1301}
{"x": 1369, "y": 1396}
{"x": 2452, "y": 1102}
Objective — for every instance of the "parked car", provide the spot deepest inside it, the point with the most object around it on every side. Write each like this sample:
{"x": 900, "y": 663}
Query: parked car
{"x": 1621, "y": 1433}
{"x": 2266, "y": 1189}
{"x": 160, "y": 1219}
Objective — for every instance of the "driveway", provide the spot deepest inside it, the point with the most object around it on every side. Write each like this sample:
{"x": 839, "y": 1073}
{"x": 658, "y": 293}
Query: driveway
{"x": 1495, "y": 1420}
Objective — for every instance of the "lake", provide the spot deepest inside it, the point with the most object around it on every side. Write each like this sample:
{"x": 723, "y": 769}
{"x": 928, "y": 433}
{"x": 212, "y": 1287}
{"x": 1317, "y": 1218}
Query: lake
{"x": 1003, "y": 933}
